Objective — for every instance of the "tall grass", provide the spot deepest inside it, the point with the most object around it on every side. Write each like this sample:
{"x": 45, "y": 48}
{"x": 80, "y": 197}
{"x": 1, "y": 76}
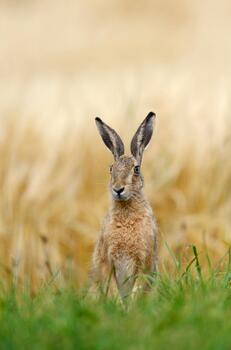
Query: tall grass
{"x": 189, "y": 310}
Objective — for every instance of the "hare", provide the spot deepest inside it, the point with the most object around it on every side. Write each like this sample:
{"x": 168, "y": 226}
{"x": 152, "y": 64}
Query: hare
{"x": 127, "y": 245}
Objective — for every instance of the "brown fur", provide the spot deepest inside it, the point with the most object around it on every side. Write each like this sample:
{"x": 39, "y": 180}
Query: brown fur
{"x": 127, "y": 243}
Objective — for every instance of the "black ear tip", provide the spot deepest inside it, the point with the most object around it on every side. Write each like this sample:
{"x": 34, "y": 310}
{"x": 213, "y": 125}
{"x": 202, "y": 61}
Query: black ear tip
{"x": 150, "y": 115}
{"x": 97, "y": 119}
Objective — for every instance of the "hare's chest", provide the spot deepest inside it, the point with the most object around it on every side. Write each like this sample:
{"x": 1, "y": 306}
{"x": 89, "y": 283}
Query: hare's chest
{"x": 133, "y": 238}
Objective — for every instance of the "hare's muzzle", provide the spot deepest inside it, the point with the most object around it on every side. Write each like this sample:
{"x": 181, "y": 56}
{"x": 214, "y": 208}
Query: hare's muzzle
{"x": 118, "y": 193}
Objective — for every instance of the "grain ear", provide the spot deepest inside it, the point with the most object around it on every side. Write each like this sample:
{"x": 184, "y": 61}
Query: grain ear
{"x": 110, "y": 138}
{"x": 142, "y": 137}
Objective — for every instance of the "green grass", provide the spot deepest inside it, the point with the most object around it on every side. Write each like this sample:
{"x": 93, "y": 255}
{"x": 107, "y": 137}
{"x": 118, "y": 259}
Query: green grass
{"x": 187, "y": 311}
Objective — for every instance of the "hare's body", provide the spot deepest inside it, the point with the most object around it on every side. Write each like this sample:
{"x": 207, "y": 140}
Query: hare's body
{"x": 127, "y": 244}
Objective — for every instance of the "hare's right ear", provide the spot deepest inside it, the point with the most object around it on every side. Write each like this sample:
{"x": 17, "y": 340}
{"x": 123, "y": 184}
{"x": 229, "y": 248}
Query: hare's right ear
{"x": 110, "y": 138}
{"x": 142, "y": 137}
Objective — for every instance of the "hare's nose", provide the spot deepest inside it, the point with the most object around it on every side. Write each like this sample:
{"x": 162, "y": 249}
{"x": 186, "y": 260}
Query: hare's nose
{"x": 118, "y": 191}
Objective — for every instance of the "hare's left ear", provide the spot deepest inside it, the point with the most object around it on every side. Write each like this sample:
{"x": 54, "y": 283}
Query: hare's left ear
{"x": 110, "y": 138}
{"x": 142, "y": 137}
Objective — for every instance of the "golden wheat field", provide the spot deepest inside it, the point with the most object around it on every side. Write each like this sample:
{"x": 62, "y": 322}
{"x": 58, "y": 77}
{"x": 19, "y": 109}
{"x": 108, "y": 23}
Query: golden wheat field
{"x": 62, "y": 63}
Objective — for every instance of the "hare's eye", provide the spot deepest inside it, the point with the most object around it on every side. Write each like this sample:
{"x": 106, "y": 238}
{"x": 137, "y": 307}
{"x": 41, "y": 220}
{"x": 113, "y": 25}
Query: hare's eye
{"x": 136, "y": 169}
{"x": 110, "y": 168}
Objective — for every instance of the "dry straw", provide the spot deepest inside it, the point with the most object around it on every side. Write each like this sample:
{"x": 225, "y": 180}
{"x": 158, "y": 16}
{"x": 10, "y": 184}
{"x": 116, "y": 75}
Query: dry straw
{"x": 53, "y": 169}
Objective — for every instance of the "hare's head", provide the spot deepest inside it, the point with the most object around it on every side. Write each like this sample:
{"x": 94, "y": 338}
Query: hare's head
{"x": 126, "y": 178}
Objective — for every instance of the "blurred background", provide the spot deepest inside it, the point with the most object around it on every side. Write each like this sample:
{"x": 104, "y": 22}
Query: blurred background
{"x": 62, "y": 63}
